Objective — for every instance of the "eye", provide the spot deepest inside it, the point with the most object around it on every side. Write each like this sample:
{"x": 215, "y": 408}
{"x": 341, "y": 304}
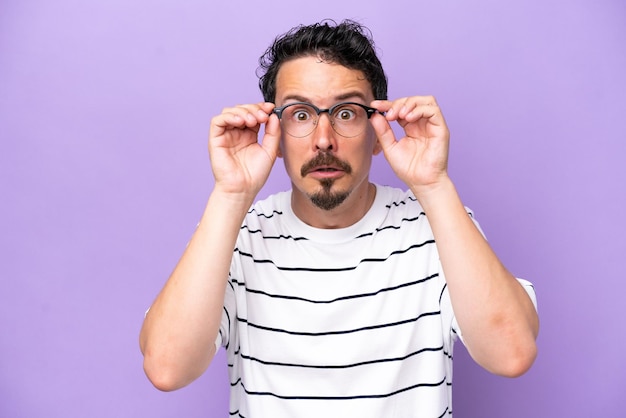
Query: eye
{"x": 345, "y": 113}
{"x": 300, "y": 114}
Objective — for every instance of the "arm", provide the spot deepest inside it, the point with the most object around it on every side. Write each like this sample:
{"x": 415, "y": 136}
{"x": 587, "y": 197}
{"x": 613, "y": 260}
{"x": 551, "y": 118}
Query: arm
{"x": 496, "y": 315}
{"x": 179, "y": 332}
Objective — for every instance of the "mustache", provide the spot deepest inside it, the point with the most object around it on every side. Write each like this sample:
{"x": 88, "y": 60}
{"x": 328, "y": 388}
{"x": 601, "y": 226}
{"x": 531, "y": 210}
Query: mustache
{"x": 324, "y": 158}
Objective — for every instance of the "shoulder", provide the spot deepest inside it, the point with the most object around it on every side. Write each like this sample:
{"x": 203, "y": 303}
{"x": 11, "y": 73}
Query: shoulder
{"x": 269, "y": 207}
{"x": 397, "y": 200}
{"x": 267, "y": 215}
{"x": 400, "y": 200}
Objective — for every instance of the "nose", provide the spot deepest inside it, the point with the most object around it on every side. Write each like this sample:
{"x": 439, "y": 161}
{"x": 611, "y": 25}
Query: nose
{"x": 323, "y": 136}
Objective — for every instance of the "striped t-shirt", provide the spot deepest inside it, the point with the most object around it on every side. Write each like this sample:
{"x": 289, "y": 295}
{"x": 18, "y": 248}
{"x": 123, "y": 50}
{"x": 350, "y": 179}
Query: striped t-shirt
{"x": 352, "y": 322}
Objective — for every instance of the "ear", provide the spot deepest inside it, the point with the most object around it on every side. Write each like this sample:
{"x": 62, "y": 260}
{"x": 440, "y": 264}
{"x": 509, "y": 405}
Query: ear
{"x": 378, "y": 125}
{"x": 377, "y": 148}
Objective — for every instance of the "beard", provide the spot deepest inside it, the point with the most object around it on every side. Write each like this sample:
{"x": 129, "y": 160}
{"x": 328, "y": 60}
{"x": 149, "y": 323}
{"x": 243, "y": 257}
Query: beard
{"x": 327, "y": 198}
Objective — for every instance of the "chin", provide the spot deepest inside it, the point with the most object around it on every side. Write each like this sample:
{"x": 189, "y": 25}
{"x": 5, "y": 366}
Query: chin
{"x": 327, "y": 198}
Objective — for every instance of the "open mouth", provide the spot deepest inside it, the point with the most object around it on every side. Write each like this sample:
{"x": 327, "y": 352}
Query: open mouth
{"x": 325, "y": 173}
{"x": 325, "y": 164}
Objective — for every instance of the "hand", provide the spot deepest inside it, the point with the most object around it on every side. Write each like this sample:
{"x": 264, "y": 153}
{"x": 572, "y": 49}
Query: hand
{"x": 240, "y": 163}
{"x": 420, "y": 159}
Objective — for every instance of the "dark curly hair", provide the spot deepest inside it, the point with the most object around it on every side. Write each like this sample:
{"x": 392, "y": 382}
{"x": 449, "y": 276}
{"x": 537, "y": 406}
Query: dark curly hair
{"x": 347, "y": 43}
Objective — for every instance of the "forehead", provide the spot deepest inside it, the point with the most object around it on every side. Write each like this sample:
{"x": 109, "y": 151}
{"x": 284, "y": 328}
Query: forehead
{"x": 320, "y": 82}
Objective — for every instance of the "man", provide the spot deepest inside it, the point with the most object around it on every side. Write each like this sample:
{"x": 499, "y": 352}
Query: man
{"x": 341, "y": 297}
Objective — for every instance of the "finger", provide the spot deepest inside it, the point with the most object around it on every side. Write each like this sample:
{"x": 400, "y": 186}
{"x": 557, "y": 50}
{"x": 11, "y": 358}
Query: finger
{"x": 383, "y": 106}
{"x": 250, "y": 114}
{"x": 389, "y": 109}
{"x": 430, "y": 112}
{"x": 412, "y": 112}
{"x": 395, "y": 109}
{"x": 241, "y": 116}
{"x": 400, "y": 108}
{"x": 418, "y": 108}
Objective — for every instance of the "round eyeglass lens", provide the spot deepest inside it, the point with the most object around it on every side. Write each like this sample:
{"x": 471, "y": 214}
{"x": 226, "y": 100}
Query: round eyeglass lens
{"x": 347, "y": 119}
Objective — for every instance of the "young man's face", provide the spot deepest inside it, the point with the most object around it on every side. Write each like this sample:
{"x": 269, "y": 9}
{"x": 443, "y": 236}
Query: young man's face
{"x": 326, "y": 169}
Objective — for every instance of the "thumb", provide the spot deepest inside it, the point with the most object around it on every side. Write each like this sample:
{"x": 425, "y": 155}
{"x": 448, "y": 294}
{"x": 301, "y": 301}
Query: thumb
{"x": 384, "y": 133}
{"x": 271, "y": 138}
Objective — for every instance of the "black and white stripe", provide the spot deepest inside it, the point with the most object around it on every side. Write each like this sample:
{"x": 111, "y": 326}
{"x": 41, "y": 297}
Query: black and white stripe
{"x": 338, "y": 323}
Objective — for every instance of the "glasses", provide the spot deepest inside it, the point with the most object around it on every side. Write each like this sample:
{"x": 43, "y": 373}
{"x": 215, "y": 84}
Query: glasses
{"x": 348, "y": 119}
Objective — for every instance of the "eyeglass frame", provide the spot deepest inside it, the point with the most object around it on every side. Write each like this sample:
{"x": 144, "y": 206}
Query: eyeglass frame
{"x": 369, "y": 111}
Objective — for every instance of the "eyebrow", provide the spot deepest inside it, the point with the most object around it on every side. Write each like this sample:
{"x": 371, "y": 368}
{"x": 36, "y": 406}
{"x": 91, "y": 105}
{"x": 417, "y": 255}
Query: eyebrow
{"x": 343, "y": 96}
{"x": 351, "y": 94}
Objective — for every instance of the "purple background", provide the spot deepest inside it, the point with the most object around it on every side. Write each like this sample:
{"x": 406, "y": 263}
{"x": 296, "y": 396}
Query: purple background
{"x": 104, "y": 114}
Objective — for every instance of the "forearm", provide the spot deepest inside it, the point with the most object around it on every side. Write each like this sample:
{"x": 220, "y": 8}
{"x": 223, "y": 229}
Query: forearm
{"x": 497, "y": 318}
{"x": 178, "y": 334}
